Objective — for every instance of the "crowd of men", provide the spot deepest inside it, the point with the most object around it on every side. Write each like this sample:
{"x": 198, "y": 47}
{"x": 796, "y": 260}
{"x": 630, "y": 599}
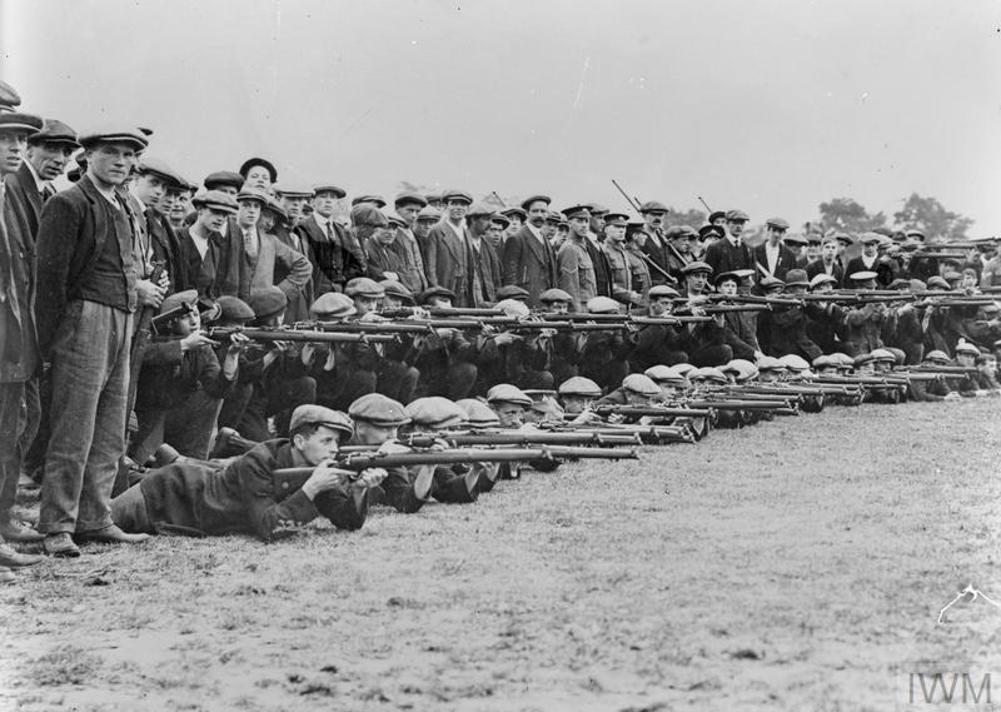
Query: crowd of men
{"x": 128, "y": 303}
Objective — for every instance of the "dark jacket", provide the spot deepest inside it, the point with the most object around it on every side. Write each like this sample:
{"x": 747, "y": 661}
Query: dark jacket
{"x": 19, "y": 356}
{"x": 724, "y": 257}
{"x": 335, "y": 261}
{"x": 242, "y": 498}
{"x": 529, "y": 264}
{"x": 785, "y": 262}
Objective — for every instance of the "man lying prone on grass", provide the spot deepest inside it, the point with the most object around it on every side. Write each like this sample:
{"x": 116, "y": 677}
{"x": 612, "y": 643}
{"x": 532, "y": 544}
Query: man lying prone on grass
{"x": 197, "y": 498}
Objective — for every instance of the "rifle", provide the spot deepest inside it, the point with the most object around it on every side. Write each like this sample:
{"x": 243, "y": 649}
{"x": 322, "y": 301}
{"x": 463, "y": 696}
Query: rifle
{"x": 705, "y": 205}
{"x": 653, "y": 411}
{"x": 301, "y": 336}
{"x": 635, "y": 206}
{"x": 491, "y": 438}
{"x": 440, "y": 312}
{"x": 625, "y": 318}
{"x": 648, "y": 434}
{"x": 779, "y": 407}
{"x": 291, "y": 479}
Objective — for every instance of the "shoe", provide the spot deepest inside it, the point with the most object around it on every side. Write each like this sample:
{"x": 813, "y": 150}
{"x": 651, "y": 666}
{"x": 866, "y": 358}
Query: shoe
{"x": 14, "y": 530}
{"x": 61, "y": 545}
{"x": 6, "y": 576}
{"x": 110, "y": 535}
{"x": 15, "y": 559}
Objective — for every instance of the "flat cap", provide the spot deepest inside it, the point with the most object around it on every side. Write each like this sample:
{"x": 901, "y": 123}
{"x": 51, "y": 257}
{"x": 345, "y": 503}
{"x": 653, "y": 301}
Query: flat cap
{"x": 9, "y": 98}
{"x": 188, "y": 298}
{"x": 479, "y": 208}
{"x": 870, "y": 238}
{"x": 376, "y": 200}
{"x": 512, "y": 291}
{"x": 844, "y": 238}
{"x": 708, "y": 373}
{"x": 267, "y": 302}
{"x": 823, "y": 361}
{"x": 654, "y": 206}
{"x": 396, "y": 222}
{"x": 258, "y": 161}
{"x": 770, "y": 282}
{"x": 435, "y": 412}
{"x": 965, "y": 347}
{"x": 457, "y": 195}
{"x": 234, "y": 309}
{"x": 312, "y": 414}
{"x": 506, "y": 393}
{"x": 797, "y": 278}
{"x": 224, "y": 178}
{"x": 914, "y": 232}
{"x": 769, "y": 363}
{"x": 432, "y": 197}
{"x": 814, "y": 238}
{"x": 293, "y": 190}
{"x": 742, "y": 369}
{"x": 841, "y": 359}
{"x": 676, "y": 232}
{"x": 527, "y": 202}
{"x": 392, "y": 288}
{"x": 130, "y": 135}
{"x": 862, "y": 276}
{"x": 555, "y": 295}
{"x": 822, "y": 278}
{"x": 640, "y": 384}
{"x": 367, "y": 215}
{"x": 513, "y": 308}
{"x": 735, "y": 274}
{"x": 662, "y": 374}
{"x": 161, "y": 169}
{"x": 252, "y": 193}
{"x": 556, "y": 218}
{"x": 662, "y": 290}
{"x": 275, "y": 208}
{"x": 431, "y": 292}
{"x": 332, "y": 305}
{"x": 501, "y": 219}
{"x": 54, "y": 131}
{"x": 937, "y": 281}
{"x": 682, "y": 369}
{"x": 863, "y": 359}
{"x": 430, "y": 214}
{"x": 707, "y": 231}
{"x": 216, "y": 200}
{"x": 329, "y": 188}
{"x": 883, "y": 355}
{"x": 937, "y": 356}
{"x": 602, "y": 305}
{"x": 580, "y": 386}
{"x": 737, "y": 216}
{"x": 515, "y": 212}
{"x": 796, "y": 239}
{"x": 696, "y": 267}
{"x": 364, "y": 287}
{"x": 20, "y": 121}
{"x": 795, "y": 362}
{"x": 379, "y": 410}
{"x": 780, "y": 223}
{"x": 478, "y": 414}
{"x": 409, "y": 197}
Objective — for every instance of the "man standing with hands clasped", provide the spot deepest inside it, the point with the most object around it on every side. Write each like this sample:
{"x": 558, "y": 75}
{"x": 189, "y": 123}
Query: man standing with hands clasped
{"x": 87, "y": 292}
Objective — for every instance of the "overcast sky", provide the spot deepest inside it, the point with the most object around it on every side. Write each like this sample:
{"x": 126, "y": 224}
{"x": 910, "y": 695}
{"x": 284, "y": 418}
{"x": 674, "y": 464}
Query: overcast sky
{"x": 770, "y": 106}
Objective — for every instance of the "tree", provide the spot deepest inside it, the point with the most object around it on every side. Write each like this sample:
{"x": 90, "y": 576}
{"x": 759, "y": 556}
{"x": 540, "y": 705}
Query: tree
{"x": 931, "y": 217}
{"x": 692, "y": 218}
{"x": 848, "y": 215}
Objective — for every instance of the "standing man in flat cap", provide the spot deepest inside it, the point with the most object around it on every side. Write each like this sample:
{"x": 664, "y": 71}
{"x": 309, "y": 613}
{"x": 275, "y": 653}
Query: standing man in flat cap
{"x": 448, "y": 248}
{"x": 266, "y": 261}
{"x": 731, "y": 253}
{"x": 20, "y": 360}
{"x": 87, "y": 293}
{"x": 47, "y": 157}
{"x": 335, "y": 253}
{"x": 771, "y": 257}
{"x": 529, "y": 261}
{"x": 408, "y": 206}
{"x": 575, "y": 268}
{"x": 484, "y": 271}
{"x": 658, "y": 248}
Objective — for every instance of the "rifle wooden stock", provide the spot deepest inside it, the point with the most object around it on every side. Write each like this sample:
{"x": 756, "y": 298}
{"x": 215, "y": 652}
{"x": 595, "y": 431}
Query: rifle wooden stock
{"x": 440, "y": 312}
{"x": 779, "y": 407}
{"x": 297, "y": 335}
{"x": 494, "y": 438}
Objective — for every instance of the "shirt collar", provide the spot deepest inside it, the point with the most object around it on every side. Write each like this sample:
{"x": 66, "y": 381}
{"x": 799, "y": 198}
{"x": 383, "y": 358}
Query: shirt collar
{"x": 39, "y": 183}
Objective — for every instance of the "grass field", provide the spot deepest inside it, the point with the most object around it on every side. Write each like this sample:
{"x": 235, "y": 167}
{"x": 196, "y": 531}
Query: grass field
{"x": 794, "y": 565}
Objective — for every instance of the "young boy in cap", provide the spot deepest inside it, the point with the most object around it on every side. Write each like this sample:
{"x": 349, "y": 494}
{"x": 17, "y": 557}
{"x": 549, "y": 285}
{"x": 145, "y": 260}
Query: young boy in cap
{"x": 446, "y": 359}
{"x": 658, "y": 343}
{"x": 246, "y": 496}
{"x": 457, "y": 484}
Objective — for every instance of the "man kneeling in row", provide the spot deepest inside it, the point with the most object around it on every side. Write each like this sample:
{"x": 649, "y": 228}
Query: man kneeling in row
{"x": 245, "y": 497}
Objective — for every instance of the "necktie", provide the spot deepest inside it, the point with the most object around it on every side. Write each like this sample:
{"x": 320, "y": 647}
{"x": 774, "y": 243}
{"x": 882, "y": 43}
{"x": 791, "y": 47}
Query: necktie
{"x": 47, "y": 192}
